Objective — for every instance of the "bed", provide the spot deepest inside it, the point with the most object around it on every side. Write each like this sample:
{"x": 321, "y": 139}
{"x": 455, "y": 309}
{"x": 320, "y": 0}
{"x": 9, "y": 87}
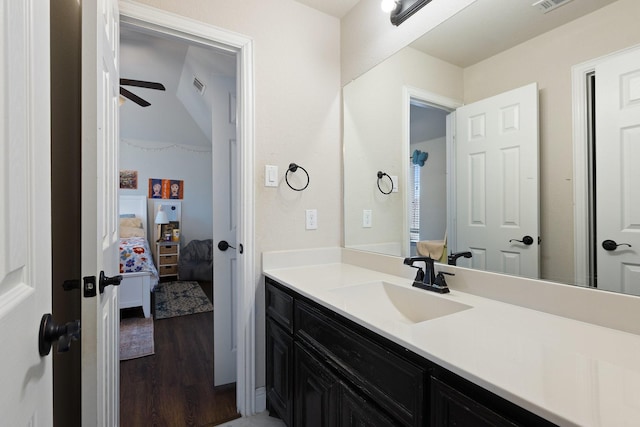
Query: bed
{"x": 139, "y": 274}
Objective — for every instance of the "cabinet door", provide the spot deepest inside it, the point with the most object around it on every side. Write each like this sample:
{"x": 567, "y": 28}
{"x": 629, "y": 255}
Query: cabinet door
{"x": 316, "y": 391}
{"x": 449, "y": 407}
{"x": 279, "y": 372}
{"x": 355, "y": 411}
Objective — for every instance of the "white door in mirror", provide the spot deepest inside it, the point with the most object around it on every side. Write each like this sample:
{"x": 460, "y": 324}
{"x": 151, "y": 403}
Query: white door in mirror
{"x": 617, "y": 160}
{"x": 497, "y": 183}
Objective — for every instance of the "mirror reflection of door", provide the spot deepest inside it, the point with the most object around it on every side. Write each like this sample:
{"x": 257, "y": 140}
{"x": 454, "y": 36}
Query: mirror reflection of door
{"x": 617, "y": 160}
{"x": 497, "y": 182}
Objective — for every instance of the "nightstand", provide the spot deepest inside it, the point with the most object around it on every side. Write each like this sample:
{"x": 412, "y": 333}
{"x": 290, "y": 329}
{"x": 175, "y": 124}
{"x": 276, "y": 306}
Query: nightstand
{"x": 167, "y": 254}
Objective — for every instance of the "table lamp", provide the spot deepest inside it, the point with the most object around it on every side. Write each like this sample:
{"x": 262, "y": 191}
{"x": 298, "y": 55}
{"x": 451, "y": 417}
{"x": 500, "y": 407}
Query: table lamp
{"x": 161, "y": 218}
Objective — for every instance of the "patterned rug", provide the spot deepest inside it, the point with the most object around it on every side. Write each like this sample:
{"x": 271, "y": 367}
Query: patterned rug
{"x": 136, "y": 337}
{"x": 179, "y": 299}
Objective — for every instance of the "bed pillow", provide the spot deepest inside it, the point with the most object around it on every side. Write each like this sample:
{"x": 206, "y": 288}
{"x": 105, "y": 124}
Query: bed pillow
{"x": 126, "y": 231}
{"x": 131, "y": 222}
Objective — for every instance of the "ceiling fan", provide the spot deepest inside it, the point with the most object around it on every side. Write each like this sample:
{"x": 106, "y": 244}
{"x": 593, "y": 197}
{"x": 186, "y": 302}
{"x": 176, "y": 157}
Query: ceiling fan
{"x": 138, "y": 83}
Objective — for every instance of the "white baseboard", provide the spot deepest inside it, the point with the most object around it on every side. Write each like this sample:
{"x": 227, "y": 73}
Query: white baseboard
{"x": 261, "y": 400}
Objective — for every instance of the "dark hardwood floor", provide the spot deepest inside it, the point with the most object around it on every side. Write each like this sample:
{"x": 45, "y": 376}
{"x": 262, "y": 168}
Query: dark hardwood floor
{"x": 174, "y": 387}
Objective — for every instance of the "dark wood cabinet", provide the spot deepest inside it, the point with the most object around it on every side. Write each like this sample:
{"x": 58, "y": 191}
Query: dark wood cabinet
{"x": 316, "y": 391}
{"x": 326, "y": 370}
{"x": 356, "y": 411}
{"x": 279, "y": 375}
{"x": 449, "y": 407}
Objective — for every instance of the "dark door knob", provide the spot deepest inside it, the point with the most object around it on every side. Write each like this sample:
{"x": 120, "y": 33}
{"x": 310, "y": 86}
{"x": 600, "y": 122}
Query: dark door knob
{"x": 527, "y": 240}
{"x": 611, "y": 245}
{"x": 223, "y": 245}
{"x": 51, "y": 332}
{"x": 108, "y": 281}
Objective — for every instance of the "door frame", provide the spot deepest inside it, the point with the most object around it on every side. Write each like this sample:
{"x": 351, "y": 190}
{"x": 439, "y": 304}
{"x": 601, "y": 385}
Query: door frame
{"x": 161, "y": 21}
{"x": 442, "y": 103}
{"x": 580, "y": 97}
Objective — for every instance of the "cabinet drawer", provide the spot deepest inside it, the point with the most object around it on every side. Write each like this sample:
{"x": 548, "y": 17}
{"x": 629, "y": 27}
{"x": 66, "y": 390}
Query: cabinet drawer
{"x": 169, "y": 259}
{"x": 168, "y": 270}
{"x": 449, "y": 407}
{"x": 173, "y": 249}
{"x": 279, "y": 306}
{"x": 394, "y": 383}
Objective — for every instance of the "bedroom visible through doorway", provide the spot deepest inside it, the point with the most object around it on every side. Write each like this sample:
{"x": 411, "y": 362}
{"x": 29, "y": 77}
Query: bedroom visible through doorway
{"x": 173, "y": 138}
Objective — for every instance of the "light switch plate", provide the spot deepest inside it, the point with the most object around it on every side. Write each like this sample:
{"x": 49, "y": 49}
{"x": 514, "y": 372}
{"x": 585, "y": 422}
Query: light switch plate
{"x": 270, "y": 176}
{"x": 312, "y": 219}
{"x": 394, "y": 179}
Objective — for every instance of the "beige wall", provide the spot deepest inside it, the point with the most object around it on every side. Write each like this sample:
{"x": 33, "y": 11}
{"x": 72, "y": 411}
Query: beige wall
{"x": 373, "y": 138}
{"x": 547, "y": 60}
{"x": 297, "y": 110}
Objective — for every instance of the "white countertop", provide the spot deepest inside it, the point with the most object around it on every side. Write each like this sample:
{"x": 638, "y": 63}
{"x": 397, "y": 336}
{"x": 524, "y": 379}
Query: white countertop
{"x": 567, "y": 371}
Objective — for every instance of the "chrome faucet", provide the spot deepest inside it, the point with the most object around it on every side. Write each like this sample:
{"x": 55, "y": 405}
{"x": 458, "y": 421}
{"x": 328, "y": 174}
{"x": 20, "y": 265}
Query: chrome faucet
{"x": 427, "y": 279}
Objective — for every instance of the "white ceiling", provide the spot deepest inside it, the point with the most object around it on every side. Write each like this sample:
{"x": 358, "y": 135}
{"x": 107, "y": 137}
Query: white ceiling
{"x": 179, "y": 115}
{"x": 487, "y": 27}
{"x": 337, "y": 8}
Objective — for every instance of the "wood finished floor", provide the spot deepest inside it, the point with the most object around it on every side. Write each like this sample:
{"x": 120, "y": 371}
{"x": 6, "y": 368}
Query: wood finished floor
{"x": 174, "y": 387}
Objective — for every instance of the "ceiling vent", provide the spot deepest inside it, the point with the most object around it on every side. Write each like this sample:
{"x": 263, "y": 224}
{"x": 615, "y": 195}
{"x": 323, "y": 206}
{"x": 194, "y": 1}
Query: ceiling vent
{"x": 200, "y": 87}
{"x": 548, "y": 5}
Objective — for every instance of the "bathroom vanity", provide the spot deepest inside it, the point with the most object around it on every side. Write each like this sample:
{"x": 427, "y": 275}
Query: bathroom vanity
{"x": 350, "y": 345}
{"x": 324, "y": 369}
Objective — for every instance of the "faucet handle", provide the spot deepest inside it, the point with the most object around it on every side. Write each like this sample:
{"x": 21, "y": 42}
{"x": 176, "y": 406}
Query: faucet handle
{"x": 419, "y": 273}
{"x": 440, "y": 281}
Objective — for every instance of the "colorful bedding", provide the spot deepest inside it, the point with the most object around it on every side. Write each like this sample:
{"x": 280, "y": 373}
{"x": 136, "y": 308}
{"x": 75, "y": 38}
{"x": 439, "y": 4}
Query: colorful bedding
{"x": 135, "y": 256}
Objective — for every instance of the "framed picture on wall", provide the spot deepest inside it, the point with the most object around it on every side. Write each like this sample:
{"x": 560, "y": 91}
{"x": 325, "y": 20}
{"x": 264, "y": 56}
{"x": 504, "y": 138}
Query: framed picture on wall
{"x": 166, "y": 188}
{"x": 128, "y": 180}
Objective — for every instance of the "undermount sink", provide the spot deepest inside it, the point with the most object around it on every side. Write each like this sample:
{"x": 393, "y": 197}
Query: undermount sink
{"x": 383, "y": 301}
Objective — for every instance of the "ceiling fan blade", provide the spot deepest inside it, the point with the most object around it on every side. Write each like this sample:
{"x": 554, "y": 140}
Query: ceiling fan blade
{"x": 142, "y": 83}
{"x": 135, "y": 98}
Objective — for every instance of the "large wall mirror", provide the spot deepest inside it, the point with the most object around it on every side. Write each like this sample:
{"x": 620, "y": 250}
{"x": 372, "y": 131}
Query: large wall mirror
{"x": 399, "y": 113}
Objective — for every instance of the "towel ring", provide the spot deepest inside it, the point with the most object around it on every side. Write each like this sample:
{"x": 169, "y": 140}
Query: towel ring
{"x": 293, "y": 168}
{"x": 382, "y": 175}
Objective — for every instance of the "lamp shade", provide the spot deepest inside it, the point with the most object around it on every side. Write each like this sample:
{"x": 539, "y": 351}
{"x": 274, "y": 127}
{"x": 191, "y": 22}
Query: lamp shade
{"x": 161, "y": 217}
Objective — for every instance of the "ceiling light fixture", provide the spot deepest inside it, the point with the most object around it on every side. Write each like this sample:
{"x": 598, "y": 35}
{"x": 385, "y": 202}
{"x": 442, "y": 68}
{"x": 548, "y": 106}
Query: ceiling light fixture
{"x": 401, "y": 10}
{"x": 389, "y": 6}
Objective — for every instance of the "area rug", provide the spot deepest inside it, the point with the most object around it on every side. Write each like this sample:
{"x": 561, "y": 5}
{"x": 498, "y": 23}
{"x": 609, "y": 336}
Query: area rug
{"x": 136, "y": 337}
{"x": 179, "y": 299}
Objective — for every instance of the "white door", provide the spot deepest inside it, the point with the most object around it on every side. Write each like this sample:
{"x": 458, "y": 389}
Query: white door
{"x": 497, "y": 182}
{"x": 26, "y": 396}
{"x": 100, "y": 314}
{"x": 618, "y": 173}
{"x": 225, "y": 214}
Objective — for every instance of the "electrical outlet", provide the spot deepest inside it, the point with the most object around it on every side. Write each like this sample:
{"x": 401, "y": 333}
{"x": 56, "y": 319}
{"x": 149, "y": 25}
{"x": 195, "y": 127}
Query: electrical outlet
{"x": 312, "y": 219}
{"x": 367, "y": 218}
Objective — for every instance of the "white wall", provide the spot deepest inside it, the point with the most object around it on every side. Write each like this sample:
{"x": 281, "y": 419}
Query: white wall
{"x": 297, "y": 86}
{"x": 191, "y": 164}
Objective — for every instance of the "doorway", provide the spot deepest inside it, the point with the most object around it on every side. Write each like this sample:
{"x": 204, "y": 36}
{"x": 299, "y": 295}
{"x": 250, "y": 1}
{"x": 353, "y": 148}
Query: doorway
{"x": 427, "y": 174}
{"x": 177, "y": 137}
{"x": 151, "y": 19}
